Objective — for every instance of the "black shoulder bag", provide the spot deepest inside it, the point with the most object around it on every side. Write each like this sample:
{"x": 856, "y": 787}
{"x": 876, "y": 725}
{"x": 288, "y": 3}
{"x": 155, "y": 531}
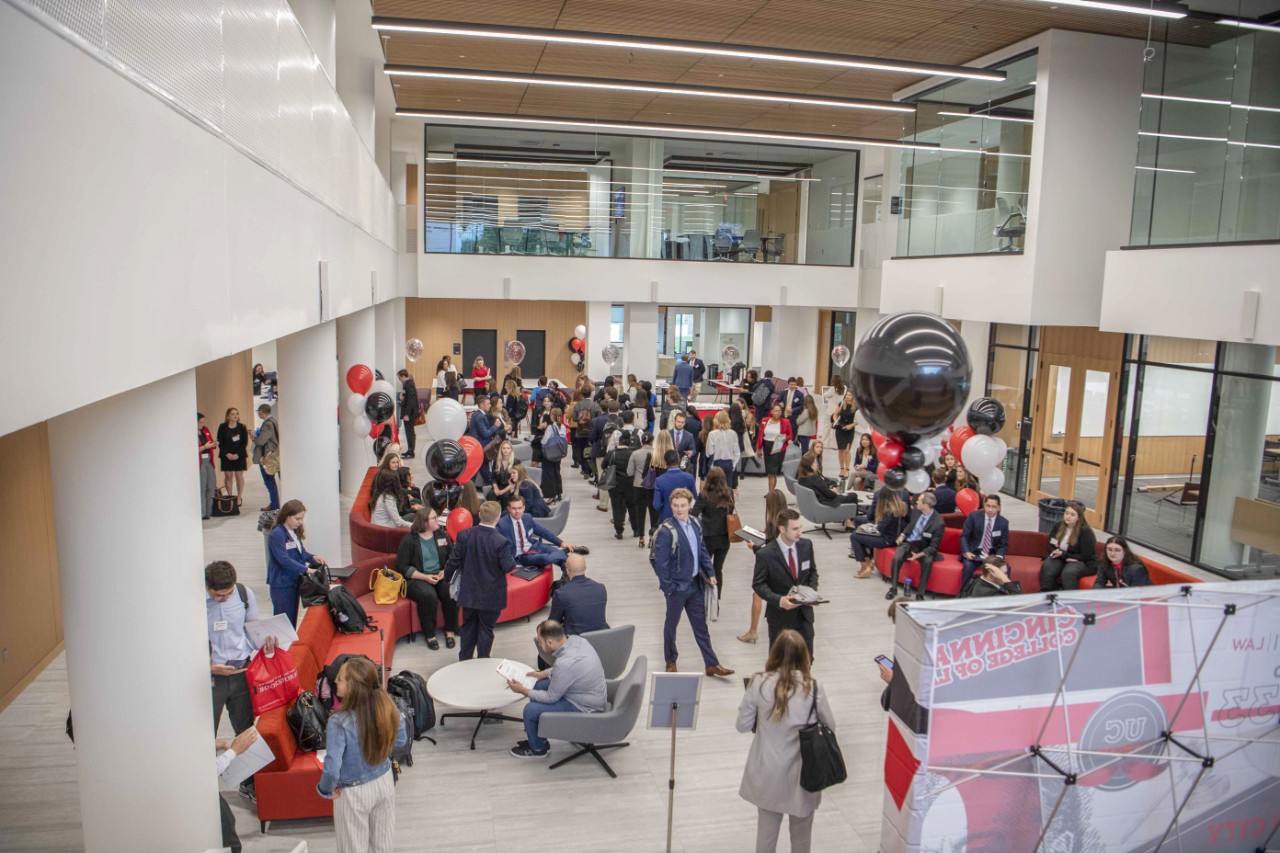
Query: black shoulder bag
{"x": 821, "y": 762}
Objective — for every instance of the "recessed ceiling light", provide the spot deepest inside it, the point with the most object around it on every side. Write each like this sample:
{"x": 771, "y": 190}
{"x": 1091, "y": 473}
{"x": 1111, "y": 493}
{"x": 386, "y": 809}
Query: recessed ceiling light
{"x": 451, "y": 28}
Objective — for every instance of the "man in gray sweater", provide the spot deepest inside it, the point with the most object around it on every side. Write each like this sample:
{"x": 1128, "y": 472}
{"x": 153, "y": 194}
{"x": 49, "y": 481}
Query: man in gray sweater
{"x": 574, "y": 683}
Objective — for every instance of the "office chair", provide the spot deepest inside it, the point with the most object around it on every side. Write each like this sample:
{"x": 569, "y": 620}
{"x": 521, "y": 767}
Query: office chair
{"x": 774, "y": 248}
{"x": 750, "y": 245}
{"x": 1013, "y": 224}
{"x": 723, "y": 248}
{"x": 536, "y": 242}
{"x": 513, "y": 240}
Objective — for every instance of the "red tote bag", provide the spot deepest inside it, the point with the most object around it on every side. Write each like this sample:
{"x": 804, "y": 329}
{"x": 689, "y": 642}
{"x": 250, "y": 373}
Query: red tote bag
{"x": 273, "y": 681}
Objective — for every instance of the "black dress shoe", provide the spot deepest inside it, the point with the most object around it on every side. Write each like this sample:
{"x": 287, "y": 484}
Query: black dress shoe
{"x": 433, "y": 644}
{"x": 891, "y": 594}
{"x": 617, "y": 536}
{"x": 582, "y": 549}
{"x": 450, "y": 642}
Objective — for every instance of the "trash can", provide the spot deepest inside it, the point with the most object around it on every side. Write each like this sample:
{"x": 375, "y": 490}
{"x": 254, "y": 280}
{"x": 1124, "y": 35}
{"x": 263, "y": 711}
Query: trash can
{"x": 1051, "y": 512}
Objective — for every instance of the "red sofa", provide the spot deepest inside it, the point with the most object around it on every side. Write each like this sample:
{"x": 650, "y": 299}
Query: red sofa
{"x": 368, "y": 539}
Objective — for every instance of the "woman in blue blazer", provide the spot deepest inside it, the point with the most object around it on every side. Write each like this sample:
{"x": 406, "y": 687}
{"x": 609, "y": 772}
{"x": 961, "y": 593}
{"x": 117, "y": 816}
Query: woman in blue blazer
{"x": 288, "y": 559}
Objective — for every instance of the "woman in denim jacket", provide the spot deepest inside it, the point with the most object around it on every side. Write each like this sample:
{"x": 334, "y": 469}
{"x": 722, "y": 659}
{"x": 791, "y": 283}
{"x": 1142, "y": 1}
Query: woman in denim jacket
{"x": 357, "y": 763}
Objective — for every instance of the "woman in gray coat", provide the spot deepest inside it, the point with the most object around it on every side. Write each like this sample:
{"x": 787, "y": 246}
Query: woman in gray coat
{"x": 778, "y": 703}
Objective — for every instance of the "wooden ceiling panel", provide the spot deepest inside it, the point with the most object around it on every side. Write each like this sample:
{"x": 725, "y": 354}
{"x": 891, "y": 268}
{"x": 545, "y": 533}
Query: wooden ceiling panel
{"x": 511, "y": 13}
{"x": 611, "y": 63}
{"x": 696, "y": 20}
{"x": 729, "y": 73}
{"x": 865, "y": 27}
{"x": 463, "y": 53}
{"x": 703, "y": 112}
{"x": 579, "y": 103}
{"x": 454, "y": 95}
{"x": 825, "y": 122}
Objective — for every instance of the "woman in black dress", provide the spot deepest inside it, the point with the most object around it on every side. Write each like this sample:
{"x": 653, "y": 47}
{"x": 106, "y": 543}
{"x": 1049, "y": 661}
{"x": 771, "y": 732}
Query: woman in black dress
{"x": 842, "y": 423}
{"x": 1073, "y": 552}
{"x": 233, "y": 453}
{"x": 713, "y": 509}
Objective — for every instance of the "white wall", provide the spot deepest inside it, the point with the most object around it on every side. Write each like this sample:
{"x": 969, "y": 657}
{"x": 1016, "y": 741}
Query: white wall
{"x": 791, "y": 342}
{"x": 1193, "y": 292}
{"x": 145, "y": 242}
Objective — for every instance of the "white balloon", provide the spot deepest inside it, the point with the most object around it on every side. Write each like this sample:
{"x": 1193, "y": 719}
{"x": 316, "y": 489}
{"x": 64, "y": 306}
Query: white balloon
{"x": 446, "y": 419}
{"x": 1001, "y": 448}
{"x": 918, "y": 481}
{"x": 580, "y": 331}
{"x": 992, "y": 481}
{"x": 931, "y": 452}
{"x": 361, "y": 425}
{"x": 355, "y": 404}
{"x": 384, "y": 386}
{"x": 980, "y": 455}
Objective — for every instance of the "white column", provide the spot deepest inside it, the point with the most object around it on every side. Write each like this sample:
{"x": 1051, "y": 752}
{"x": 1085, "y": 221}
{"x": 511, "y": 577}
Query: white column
{"x": 791, "y": 342}
{"x": 976, "y": 336}
{"x": 355, "y": 88}
{"x": 132, "y": 585}
{"x": 599, "y": 315}
{"x": 640, "y": 352}
{"x": 390, "y": 337}
{"x": 355, "y": 346}
{"x": 308, "y": 366}
{"x": 319, "y": 22}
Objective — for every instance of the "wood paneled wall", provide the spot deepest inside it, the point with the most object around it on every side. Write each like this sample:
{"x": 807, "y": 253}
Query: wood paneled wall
{"x": 222, "y": 384}
{"x": 30, "y": 603}
{"x": 1082, "y": 342}
{"x": 438, "y": 323}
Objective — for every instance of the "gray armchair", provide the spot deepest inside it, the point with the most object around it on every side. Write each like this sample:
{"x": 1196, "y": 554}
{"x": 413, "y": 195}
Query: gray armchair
{"x": 558, "y": 519}
{"x": 820, "y": 514}
{"x": 613, "y": 645}
{"x": 594, "y": 732}
{"x": 522, "y": 450}
{"x": 789, "y": 466}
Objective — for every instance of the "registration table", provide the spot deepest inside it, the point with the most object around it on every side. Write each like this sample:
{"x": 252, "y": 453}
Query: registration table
{"x": 476, "y": 687}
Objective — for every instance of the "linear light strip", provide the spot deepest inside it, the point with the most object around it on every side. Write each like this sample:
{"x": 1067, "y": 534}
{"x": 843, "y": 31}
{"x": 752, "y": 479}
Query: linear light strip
{"x": 1208, "y": 139}
{"x": 450, "y": 28}
{"x": 1217, "y": 102}
{"x": 986, "y": 116}
{"x": 1163, "y": 169}
{"x": 664, "y": 185}
{"x": 648, "y": 88}
{"x": 1153, "y": 10}
{"x": 711, "y": 132}
{"x": 1249, "y": 25}
{"x": 716, "y": 172}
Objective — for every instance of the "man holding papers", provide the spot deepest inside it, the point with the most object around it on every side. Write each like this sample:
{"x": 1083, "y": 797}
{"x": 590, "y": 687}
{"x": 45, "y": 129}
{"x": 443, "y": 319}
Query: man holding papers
{"x": 574, "y": 683}
{"x": 783, "y": 564}
{"x": 228, "y": 605}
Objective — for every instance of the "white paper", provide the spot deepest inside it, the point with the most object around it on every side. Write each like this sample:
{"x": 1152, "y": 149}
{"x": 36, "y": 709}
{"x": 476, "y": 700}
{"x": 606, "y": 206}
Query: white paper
{"x": 244, "y": 765}
{"x": 278, "y": 626}
{"x": 509, "y": 669}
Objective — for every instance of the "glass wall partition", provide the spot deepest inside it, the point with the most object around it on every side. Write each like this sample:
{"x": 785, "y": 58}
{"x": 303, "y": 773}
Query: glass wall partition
{"x": 531, "y": 192}
{"x": 1011, "y": 364}
{"x": 1209, "y": 143}
{"x": 970, "y": 197}
{"x": 682, "y": 328}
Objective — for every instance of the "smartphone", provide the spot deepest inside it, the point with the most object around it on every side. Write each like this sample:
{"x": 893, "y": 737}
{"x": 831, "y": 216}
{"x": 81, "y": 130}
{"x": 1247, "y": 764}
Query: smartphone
{"x": 884, "y": 661}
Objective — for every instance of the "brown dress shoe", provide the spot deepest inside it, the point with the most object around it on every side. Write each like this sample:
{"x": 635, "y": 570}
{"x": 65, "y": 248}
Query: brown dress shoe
{"x": 671, "y": 667}
{"x": 865, "y": 571}
{"x": 719, "y": 670}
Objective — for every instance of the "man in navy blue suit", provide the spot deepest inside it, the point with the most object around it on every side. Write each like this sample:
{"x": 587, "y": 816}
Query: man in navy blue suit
{"x": 534, "y": 545}
{"x": 683, "y": 440}
{"x": 986, "y": 532}
{"x": 682, "y": 376}
{"x": 483, "y": 429}
{"x": 666, "y": 484}
{"x": 684, "y": 568}
{"x": 484, "y": 557}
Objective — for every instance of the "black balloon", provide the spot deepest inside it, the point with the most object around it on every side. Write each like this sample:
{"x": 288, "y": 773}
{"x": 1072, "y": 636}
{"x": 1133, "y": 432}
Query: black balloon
{"x": 454, "y": 491}
{"x": 437, "y": 496}
{"x": 379, "y": 407}
{"x": 896, "y": 477}
{"x": 912, "y": 458}
{"x": 446, "y": 460}
{"x": 377, "y": 375}
{"x": 986, "y": 416}
{"x": 380, "y": 446}
{"x": 911, "y": 376}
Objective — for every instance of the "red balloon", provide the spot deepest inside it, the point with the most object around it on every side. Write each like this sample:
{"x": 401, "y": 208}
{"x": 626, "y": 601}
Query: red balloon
{"x": 359, "y": 379}
{"x": 881, "y": 471}
{"x": 967, "y": 501}
{"x": 877, "y": 439}
{"x": 889, "y": 454}
{"x": 475, "y": 457}
{"x": 578, "y": 345}
{"x": 958, "y": 438}
{"x": 375, "y": 430}
{"x": 459, "y": 520}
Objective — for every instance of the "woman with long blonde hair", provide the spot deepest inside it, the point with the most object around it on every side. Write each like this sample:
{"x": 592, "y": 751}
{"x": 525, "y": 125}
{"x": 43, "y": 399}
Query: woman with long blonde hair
{"x": 778, "y": 703}
{"x": 357, "y": 764}
{"x": 722, "y": 448}
{"x": 774, "y": 503}
{"x": 661, "y": 444}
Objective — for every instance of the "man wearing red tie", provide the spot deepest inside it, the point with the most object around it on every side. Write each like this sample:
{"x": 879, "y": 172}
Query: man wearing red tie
{"x": 784, "y": 563}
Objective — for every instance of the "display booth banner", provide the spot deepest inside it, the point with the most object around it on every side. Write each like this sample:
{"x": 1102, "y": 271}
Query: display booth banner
{"x": 1120, "y": 720}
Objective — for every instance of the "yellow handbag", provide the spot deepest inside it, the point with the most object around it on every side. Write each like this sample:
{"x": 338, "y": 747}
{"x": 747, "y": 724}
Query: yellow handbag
{"x": 387, "y": 585}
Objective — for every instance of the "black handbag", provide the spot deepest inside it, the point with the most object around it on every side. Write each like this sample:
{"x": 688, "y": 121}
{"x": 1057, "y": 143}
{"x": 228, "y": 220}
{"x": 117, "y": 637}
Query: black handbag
{"x": 821, "y": 762}
{"x": 313, "y": 589}
{"x": 308, "y": 720}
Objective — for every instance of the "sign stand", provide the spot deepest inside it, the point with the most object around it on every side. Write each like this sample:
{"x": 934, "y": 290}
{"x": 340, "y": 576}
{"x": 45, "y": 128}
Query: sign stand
{"x": 673, "y": 703}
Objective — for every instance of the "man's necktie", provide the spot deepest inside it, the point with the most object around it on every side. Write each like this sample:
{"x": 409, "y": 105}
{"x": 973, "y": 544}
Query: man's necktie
{"x": 791, "y": 564}
{"x": 986, "y": 538}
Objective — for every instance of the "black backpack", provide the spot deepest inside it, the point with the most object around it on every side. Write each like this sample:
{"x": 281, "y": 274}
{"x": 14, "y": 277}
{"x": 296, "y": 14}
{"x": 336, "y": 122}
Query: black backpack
{"x": 628, "y": 443}
{"x": 402, "y": 756}
{"x": 314, "y": 587}
{"x": 760, "y": 394}
{"x": 307, "y": 719}
{"x": 347, "y": 613}
{"x": 327, "y": 682}
{"x": 521, "y": 407}
{"x": 412, "y": 688}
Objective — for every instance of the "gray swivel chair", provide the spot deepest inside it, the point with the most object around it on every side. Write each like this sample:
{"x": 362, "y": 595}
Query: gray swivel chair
{"x": 533, "y": 474}
{"x": 523, "y": 450}
{"x": 1013, "y": 225}
{"x": 558, "y": 519}
{"x": 810, "y": 507}
{"x": 789, "y": 466}
{"x": 613, "y": 645}
{"x": 723, "y": 248}
{"x": 751, "y": 243}
{"x": 592, "y": 733}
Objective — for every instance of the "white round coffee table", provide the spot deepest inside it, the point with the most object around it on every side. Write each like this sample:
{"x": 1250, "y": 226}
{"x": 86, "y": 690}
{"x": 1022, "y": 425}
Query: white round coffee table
{"x": 475, "y": 686}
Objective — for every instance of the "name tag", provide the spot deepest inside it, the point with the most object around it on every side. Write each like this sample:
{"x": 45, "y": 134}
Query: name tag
{"x": 235, "y": 438}
{"x": 926, "y": 535}
{"x": 804, "y": 565}
{"x": 220, "y": 626}
{"x": 291, "y": 546}
{"x": 1053, "y": 542}
{"x": 995, "y": 534}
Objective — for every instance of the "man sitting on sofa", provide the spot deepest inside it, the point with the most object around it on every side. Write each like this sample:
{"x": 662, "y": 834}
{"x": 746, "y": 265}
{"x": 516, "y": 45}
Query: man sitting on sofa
{"x": 985, "y": 534}
{"x": 535, "y": 545}
{"x": 920, "y": 543}
{"x": 574, "y": 683}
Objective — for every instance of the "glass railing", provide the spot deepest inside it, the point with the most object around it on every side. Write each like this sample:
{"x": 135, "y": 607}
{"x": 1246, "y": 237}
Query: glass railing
{"x": 970, "y": 196}
{"x": 1209, "y": 144}
{"x": 501, "y": 192}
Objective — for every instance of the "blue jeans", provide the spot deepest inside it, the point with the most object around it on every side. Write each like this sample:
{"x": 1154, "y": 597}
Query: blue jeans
{"x": 534, "y": 711}
{"x": 269, "y": 481}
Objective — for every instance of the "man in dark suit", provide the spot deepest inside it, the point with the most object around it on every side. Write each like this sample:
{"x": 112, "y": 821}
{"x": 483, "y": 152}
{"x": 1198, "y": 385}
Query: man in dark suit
{"x": 580, "y": 604}
{"x": 532, "y": 544}
{"x": 684, "y": 440}
{"x": 684, "y": 569}
{"x": 409, "y": 408}
{"x": 785, "y": 562}
{"x": 666, "y": 484}
{"x": 483, "y": 429}
{"x": 484, "y": 557}
{"x": 986, "y": 532}
{"x": 920, "y": 543}
{"x": 699, "y": 374}
{"x": 682, "y": 376}
{"x": 792, "y": 401}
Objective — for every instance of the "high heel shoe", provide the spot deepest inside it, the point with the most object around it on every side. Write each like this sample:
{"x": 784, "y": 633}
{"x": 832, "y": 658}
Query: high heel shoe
{"x": 749, "y": 637}
{"x": 865, "y": 572}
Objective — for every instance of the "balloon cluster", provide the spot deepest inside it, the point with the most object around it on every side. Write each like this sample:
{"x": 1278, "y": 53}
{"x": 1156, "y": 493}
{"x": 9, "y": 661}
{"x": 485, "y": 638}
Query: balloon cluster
{"x": 578, "y": 347}
{"x": 978, "y": 448}
{"x": 911, "y": 376}
{"x": 373, "y": 403}
{"x": 452, "y": 460}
